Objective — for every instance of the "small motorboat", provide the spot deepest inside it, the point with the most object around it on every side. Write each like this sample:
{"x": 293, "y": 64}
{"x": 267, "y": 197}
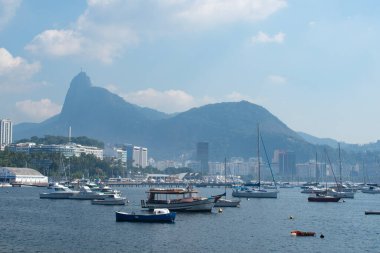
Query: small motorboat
{"x": 159, "y": 215}
{"x": 302, "y": 233}
{"x": 372, "y": 212}
{"x": 114, "y": 199}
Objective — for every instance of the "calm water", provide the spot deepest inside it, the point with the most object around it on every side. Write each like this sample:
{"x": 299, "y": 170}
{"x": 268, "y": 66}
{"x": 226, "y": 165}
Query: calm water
{"x": 30, "y": 224}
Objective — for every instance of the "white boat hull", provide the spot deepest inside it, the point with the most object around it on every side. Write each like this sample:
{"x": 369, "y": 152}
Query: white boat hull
{"x": 370, "y": 191}
{"x": 349, "y": 195}
{"x": 255, "y": 194}
{"x": 57, "y": 195}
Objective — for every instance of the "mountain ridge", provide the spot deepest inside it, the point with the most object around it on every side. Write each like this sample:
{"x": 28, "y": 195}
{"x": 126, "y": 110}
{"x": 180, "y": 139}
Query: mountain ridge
{"x": 229, "y": 127}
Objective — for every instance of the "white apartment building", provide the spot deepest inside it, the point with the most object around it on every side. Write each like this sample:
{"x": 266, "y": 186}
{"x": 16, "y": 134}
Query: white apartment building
{"x": 5, "y": 133}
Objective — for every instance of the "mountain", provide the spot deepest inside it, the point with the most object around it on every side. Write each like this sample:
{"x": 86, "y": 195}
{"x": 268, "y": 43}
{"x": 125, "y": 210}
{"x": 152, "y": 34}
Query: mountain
{"x": 318, "y": 141}
{"x": 230, "y": 127}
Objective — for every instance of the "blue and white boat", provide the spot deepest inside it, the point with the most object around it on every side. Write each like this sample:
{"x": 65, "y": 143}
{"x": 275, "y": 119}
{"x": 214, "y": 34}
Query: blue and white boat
{"x": 159, "y": 215}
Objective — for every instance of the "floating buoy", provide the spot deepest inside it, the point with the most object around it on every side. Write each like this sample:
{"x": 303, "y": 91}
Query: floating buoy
{"x": 291, "y": 217}
{"x": 302, "y": 233}
{"x": 220, "y": 210}
{"x": 322, "y": 236}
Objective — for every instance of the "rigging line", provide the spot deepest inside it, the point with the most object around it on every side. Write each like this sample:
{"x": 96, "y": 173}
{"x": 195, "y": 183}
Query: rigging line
{"x": 266, "y": 155}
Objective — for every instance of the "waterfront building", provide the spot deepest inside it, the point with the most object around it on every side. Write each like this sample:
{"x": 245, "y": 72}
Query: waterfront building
{"x": 22, "y": 176}
{"x": 203, "y": 156}
{"x": 5, "y": 133}
{"x": 67, "y": 150}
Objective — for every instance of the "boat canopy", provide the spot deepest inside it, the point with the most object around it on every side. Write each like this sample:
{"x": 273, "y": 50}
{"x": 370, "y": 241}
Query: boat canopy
{"x": 171, "y": 191}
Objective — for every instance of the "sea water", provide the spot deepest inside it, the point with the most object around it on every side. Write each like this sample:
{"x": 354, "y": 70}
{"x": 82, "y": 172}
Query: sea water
{"x": 31, "y": 224}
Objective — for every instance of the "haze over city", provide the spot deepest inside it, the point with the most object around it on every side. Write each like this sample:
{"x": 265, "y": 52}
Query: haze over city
{"x": 313, "y": 64}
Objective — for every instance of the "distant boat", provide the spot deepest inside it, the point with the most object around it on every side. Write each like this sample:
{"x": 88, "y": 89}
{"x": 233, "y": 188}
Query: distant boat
{"x": 371, "y": 190}
{"x": 115, "y": 199}
{"x": 224, "y": 202}
{"x": 159, "y": 215}
{"x": 244, "y": 192}
{"x": 323, "y": 198}
{"x": 58, "y": 191}
{"x": 338, "y": 191}
{"x": 372, "y": 212}
{"x": 178, "y": 199}
{"x": 85, "y": 193}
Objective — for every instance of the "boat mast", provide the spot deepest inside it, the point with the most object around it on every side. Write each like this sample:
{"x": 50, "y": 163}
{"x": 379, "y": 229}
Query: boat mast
{"x": 340, "y": 170}
{"x": 316, "y": 168}
{"x": 258, "y": 152}
{"x": 225, "y": 176}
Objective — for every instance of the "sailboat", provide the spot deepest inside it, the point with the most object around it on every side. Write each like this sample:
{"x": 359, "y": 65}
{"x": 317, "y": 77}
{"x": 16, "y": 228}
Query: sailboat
{"x": 338, "y": 191}
{"x": 224, "y": 202}
{"x": 244, "y": 192}
{"x": 324, "y": 197}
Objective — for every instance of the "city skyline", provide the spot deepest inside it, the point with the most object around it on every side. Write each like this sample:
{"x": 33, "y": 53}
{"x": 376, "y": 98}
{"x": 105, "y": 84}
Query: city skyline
{"x": 312, "y": 64}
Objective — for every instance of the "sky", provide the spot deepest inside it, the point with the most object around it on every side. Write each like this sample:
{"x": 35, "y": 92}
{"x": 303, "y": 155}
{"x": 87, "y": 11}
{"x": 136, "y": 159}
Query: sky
{"x": 313, "y": 64}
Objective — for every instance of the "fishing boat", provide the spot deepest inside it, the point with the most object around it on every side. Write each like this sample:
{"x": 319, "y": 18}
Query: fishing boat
{"x": 224, "y": 202}
{"x": 372, "y": 212}
{"x": 178, "y": 199}
{"x": 159, "y": 215}
{"x": 114, "y": 199}
{"x": 244, "y": 192}
{"x": 58, "y": 191}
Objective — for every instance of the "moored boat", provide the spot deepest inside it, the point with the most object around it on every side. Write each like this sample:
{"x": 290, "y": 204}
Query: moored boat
{"x": 110, "y": 200}
{"x": 323, "y": 198}
{"x": 58, "y": 191}
{"x": 227, "y": 203}
{"x": 372, "y": 212}
{"x": 158, "y": 215}
{"x": 371, "y": 190}
{"x": 85, "y": 193}
{"x": 302, "y": 233}
{"x": 178, "y": 199}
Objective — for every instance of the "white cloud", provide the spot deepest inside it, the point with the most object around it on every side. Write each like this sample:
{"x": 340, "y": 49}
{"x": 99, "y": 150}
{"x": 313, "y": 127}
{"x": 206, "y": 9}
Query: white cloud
{"x": 99, "y": 33}
{"x": 225, "y": 11}
{"x": 167, "y": 101}
{"x": 8, "y": 9}
{"x": 15, "y": 72}
{"x": 236, "y": 97}
{"x": 262, "y": 37}
{"x": 107, "y": 28}
{"x": 277, "y": 79}
{"x": 56, "y": 42}
{"x": 38, "y": 110}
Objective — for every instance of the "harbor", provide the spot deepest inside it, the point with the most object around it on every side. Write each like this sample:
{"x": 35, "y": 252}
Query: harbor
{"x": 46, "y": 225}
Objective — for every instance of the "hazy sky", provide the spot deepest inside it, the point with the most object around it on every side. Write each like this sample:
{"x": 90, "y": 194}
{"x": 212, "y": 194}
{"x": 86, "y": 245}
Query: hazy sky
{"x": 313, "y": 64}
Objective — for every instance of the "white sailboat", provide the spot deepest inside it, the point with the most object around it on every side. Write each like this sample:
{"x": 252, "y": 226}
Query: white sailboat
{"x": 244, "y": 192}
{"x": 338, "y": 192}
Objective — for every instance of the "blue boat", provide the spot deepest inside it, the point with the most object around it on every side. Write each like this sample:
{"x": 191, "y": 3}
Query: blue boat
{"x": 159, "y": 215}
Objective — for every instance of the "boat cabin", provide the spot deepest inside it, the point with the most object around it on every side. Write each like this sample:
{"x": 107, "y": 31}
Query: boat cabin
{"x": 165, "y": 196}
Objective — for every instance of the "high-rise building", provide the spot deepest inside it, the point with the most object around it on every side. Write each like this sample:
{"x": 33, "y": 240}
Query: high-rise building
{"x": 202, "y": 156}
{"x": 129, "y": 150}
{"x": 143, "y": 157}
{"x": 5, "y": 133}
{"x": 136, "y": 156}
{"x": 287, "y": 163}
